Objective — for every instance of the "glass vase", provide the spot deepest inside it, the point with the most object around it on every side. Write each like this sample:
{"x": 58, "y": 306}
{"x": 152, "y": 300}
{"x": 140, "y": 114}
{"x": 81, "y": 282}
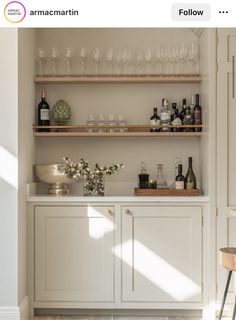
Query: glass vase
{"x": 94, "y": 186}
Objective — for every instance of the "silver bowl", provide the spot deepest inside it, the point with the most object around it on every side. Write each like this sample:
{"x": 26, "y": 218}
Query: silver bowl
{"x": 53, "y": 175}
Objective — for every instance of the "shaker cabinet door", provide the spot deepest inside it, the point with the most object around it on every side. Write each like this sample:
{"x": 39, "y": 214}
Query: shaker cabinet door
{"x": 73, "y": 253}
{"x": 161, "y": 254}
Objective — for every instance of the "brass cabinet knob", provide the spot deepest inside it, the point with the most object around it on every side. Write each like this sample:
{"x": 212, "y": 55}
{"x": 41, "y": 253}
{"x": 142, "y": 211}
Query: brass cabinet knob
{"x": 127, "y": 211}
{"x": 110, "y": 212}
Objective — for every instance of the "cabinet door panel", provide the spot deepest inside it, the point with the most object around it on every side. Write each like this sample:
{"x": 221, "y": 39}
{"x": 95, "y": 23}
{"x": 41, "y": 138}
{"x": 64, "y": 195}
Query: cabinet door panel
{"x": 73, "y": 254}
{"x": 161, "y": 254}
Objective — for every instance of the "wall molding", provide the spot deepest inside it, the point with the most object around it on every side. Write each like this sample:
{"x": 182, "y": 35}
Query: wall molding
{"x": 9, "y": 313}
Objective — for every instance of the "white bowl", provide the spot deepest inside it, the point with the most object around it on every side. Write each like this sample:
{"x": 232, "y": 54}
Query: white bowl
{"x": 53, "y": 175}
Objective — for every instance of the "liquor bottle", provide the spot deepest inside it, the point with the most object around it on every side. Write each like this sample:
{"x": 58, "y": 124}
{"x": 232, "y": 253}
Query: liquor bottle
{"x": 180, "y": 179}
{"x": 161, "y": 182}
{"x": 188, "y": 119}
{"x": 155, "y": 121}
{"x": 183, "y": 110}
{"x": 197, "y": 114}
{"x": 174, "y": 108}
{"x": 190, "y": 180}
{"x": 192, "y": 104}
{"x": 143, "y": 177}
{"x": 43, "y": 113}
{"x": 165, "y": 116}
{"x": 176, "y": 121}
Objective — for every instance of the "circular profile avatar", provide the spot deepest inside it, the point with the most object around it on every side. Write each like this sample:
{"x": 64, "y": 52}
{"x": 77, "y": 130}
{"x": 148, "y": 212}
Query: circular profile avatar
{"x": 14, "y": 12}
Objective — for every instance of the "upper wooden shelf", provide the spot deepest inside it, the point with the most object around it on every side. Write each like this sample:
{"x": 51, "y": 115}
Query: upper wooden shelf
{"x": 116, "y": 79}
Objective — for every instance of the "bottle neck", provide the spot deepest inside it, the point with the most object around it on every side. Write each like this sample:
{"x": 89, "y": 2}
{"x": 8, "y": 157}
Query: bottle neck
{"x": 190, "y": 166}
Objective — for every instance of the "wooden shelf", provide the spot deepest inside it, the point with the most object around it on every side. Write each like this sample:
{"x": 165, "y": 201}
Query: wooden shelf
{"x": 132, "y": 131}
{"x": 118, "y": 134}
{"x": 167, "y": 192}
{"x": 115, "y": 79}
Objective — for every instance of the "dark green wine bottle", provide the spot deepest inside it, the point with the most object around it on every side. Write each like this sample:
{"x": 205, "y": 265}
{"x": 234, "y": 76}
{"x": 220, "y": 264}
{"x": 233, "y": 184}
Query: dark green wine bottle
{"x": 190, "y": 180}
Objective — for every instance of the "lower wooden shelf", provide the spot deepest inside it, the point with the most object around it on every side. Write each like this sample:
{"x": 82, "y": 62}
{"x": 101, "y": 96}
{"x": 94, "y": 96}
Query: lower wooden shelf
{"x": 113, "y": 131}
{"x": 167, "y": 192}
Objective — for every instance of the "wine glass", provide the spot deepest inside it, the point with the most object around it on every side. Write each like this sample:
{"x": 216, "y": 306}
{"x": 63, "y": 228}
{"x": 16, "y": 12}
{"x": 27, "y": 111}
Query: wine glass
{"x": 148, "y": 60}
{"x": 118, "y": 58}
{"x": 183, "y": 53}
{"x": 41, "y": 59}
{"x": 83, "y": 59}
{"x": 97, "y": 55}
{"x": 54, "y": 59}
{"x": 68, "y": 59}
{"x": 139, "y": 61}
{"x": 193, "y": 58}
{"x": 109, "y": 57}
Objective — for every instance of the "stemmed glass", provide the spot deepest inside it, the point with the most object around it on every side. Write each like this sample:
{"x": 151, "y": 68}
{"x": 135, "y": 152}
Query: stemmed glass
{"x": 148, "y": 60}
{"x": 183, "y": 54}
{"x": 193, "y": 58}
{"x": 109, "y": 57}
{"x": 97, "y": 55}
{"x": 83, "y": 59}
{"x": 139, "y": 61}
{"x": 41, "y": 59}
{"x": 125, "y": 58}
{"x": 118, "y": 58}
{"x": 68, "y": 60}
{"x": 53, "y": 59}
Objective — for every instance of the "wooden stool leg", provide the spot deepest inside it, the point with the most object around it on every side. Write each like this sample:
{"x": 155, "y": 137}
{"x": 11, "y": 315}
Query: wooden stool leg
{"x": 234, "y": 312}
{"x": 225, "y": 295}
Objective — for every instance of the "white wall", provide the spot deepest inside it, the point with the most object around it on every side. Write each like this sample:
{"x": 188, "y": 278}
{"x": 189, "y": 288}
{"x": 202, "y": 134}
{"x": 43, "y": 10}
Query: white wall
{"x": 8, "y": 167}
{"x": 135, "y": 102}
{"x": 26, "y": 144}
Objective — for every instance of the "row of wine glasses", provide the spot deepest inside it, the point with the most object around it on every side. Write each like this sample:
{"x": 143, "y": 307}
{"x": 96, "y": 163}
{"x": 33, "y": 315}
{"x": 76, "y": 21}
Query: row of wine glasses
{"x": 160, "y": 60}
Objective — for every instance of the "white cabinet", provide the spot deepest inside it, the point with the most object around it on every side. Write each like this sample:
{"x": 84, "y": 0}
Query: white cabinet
{"x": 161, "y": 254}
{"x": 73, "y": 253}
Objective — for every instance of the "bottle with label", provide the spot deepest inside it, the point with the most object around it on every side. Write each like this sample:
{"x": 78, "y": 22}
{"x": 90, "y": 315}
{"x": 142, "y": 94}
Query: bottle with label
{"x": 143, "y": 177}
{"x": 190, "y": 180}
{"x": 165, "y": 116}
{"x": 175, "y": 121}
{"x": 183, "y": 110}
{"x": 192, "y": 104}
{"x": 161, "y": 182}
{"x": 43, "y": 113}
{"x": 173, "y": 111}
{"x": 155, "y": 121}
{"x": 180, "y": 179}
{"x": 197, "y": 113}
{"x": 188, "y": 120}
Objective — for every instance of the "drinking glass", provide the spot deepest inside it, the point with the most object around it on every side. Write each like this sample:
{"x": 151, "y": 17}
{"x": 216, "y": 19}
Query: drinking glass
{"x": 183, "y": 57}
{"x": 97, "y": 55}
{"x": 125, "y": 59}
{"x": 54, "y": 59}
{"x": 139, "y": 61}
{"x": 193, "y": 58}
{"x": 148, "y": 60}
{"x": 83, "y": 59}
{"x": 68, "y": 59}
{"x": 118, "y": 60}
{"x": 41, "y": 59}
{"x": 109, "y": 58}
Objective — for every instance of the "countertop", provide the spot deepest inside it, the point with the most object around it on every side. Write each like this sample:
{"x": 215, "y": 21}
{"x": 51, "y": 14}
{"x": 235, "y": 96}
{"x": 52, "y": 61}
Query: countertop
{"x": 70, "y": 198}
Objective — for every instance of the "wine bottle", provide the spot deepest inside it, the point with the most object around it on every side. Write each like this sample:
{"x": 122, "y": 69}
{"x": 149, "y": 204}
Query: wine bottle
{"x": 155, "y": 121}
{"x": 190, "y": 181}
{"x": 180, "y": 179}
{"x": 183, "y": 111}
{"x": 197, "y": 114}
{"x": 43, "y": 113}
{"x": 188, "y": 119}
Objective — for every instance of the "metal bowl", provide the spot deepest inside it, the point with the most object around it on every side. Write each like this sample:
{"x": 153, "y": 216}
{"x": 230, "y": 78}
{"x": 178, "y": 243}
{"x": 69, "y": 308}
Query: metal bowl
{"x": 53, "y": 175}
